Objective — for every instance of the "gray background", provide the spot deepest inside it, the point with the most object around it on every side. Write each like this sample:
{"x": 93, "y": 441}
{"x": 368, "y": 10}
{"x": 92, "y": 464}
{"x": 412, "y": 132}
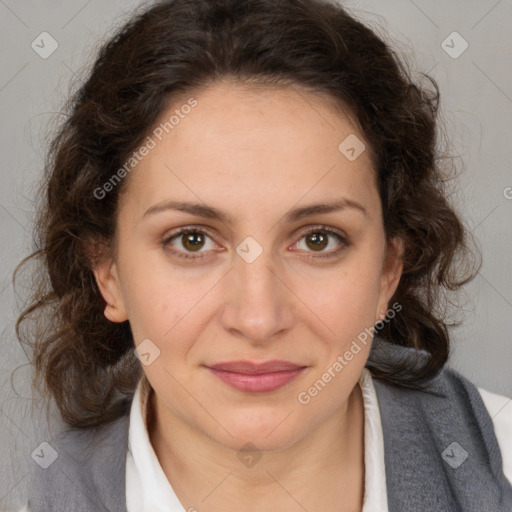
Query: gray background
{"x": 476, "y": 100}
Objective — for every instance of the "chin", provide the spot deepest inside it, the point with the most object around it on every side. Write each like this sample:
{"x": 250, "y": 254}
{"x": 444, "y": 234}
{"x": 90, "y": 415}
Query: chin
{"x": 267, "y": 433}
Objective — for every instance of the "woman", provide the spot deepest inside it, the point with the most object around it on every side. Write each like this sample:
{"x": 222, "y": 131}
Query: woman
{"x": 247, "y": 246}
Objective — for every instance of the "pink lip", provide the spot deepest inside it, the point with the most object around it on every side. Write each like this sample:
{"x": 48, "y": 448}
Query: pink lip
{"x": 256, "y": 378}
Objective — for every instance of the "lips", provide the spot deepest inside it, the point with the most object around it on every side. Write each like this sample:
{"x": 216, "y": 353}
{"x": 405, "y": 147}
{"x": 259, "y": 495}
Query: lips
{"x": 256, "y": 377}
{"x": 255, "y": 368}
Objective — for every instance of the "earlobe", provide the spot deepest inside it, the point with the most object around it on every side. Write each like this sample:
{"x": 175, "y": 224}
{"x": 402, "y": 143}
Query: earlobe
{"x": 391, "y": 273}
{"x": 107, "y": 279}
{"x": 395, "y": 262}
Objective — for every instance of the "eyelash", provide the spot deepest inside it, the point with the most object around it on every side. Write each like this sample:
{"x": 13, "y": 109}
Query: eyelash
{"x": 318, "y": 229}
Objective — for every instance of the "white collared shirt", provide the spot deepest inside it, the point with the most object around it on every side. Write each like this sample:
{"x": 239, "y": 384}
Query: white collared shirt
{"x": 148, "y": 490}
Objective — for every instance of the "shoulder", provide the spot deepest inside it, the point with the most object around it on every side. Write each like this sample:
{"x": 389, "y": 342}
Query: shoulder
{"x": 447, "y": 388}
{"x": 449, "y": 398}
{"x": 444, "y": 426}
{"x": 81, "y": 469}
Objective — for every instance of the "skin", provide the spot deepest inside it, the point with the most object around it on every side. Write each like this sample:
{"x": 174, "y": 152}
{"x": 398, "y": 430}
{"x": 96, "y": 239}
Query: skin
{"x": 255, "y": 154}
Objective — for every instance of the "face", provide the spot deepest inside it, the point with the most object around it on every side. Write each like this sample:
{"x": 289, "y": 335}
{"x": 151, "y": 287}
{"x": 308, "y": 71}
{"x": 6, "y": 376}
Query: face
{"x": 261, "y": 276}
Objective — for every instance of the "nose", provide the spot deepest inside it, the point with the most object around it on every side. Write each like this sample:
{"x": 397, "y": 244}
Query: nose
{"x": 259, "y": 302}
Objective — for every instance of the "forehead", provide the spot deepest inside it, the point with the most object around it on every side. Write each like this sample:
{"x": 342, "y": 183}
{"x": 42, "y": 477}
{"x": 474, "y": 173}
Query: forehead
{"x": 252, "y": 146}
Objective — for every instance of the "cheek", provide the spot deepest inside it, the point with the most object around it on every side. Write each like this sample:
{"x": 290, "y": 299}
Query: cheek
{"x": 345, "y": 299}
{"x": 163, "y": 312}
{"x": 156, "y": 294}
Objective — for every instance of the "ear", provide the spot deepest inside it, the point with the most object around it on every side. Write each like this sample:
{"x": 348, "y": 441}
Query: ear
{"x": 390, "y": 277}
{"x": 107, "y": 278}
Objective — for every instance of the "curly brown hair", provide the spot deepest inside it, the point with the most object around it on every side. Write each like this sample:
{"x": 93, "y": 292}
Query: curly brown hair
{"x": 87, "y": 363}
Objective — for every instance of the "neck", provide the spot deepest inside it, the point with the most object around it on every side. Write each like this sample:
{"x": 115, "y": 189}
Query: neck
{"x": 323, "y": 470}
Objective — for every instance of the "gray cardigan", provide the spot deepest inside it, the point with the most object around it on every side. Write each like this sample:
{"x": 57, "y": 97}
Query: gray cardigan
{"x": 441, "y": 452}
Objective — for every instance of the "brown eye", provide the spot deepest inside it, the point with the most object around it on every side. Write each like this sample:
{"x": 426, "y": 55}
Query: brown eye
{"x": 192, "y": 241}
{"x": 320, "y": 238}
{"x": 188, "y": 241}
{"x": 317, "y": 241}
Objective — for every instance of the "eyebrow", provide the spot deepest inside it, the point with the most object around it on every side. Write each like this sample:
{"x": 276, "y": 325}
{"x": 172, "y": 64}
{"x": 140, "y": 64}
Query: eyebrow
{"x": 209, "y": 212}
